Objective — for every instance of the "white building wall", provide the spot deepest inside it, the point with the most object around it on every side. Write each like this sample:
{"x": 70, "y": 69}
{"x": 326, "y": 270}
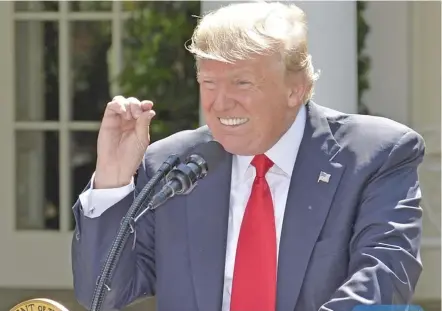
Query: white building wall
{"x": 388, "y": 46}
{"x": 404, "y": 45}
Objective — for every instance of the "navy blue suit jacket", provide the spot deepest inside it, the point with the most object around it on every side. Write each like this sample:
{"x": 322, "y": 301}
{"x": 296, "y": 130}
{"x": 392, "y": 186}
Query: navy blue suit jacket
{"x": 354, "y": 240}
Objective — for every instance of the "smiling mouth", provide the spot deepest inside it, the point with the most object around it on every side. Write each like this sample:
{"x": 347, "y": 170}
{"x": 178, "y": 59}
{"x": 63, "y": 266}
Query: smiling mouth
{"x": 233, "y": 121}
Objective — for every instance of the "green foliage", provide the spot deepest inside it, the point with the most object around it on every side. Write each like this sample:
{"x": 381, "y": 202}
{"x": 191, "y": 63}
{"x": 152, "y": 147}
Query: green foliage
{"x": 158, "y": 67}
{"x": 363, "y": 60}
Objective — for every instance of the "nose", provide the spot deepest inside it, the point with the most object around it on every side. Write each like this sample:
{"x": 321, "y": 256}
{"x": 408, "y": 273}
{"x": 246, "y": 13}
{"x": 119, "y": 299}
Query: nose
{"x": 223, "y": 102}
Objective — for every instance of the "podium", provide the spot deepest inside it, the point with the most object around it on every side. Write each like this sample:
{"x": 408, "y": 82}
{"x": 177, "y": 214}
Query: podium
{"x": 40, "y": 304}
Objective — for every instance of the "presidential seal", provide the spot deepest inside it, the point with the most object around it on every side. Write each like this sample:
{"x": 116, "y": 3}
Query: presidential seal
{"x": 40, "y": 304}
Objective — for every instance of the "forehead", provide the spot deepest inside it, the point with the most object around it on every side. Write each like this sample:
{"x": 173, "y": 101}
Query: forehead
{"x": 257, "y": 66}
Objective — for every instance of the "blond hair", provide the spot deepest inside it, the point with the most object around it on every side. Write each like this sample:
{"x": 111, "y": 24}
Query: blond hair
{"x": 238, "y": 31}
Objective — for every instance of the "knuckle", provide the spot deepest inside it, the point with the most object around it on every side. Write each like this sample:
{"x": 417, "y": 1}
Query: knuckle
{"x": 118, "y": 98}
{"x": 112, "y": 105}
{"x": 133, "y": 100}
{"x": 115, "y": 106}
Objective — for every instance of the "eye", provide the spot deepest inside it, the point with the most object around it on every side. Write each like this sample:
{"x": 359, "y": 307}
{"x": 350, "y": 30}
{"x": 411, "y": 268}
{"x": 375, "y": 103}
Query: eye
{"x": 208, "y": 84}
{"x": 243, "y": 84}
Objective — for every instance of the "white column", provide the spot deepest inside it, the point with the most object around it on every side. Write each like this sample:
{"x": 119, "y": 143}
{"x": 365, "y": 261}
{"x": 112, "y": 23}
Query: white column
{"x": 389, "y": 46}
{"x": 332, "y": 43}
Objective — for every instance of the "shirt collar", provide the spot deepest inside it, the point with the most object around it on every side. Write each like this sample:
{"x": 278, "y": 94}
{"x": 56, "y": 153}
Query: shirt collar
{"x": 283, "y": 153}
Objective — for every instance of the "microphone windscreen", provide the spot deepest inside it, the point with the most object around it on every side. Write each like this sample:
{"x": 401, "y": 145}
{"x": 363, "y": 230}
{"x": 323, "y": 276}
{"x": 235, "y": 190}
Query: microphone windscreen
{"x": 212, "y": 152}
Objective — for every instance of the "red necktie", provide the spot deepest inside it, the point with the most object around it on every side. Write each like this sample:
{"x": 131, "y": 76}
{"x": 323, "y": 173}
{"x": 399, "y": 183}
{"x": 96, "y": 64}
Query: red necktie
{"x": 254, "y": 276}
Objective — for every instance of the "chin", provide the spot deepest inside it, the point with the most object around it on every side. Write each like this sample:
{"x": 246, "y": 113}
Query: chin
{"x": 236, "y": 147}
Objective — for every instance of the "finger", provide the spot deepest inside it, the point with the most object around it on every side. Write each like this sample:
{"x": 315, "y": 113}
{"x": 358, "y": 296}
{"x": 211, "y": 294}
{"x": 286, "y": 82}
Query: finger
{"x": 144, "y": 120}
{"x": 142, "y": 127}
{"x": 134, "y": 107}
{"x": 126, "y": 108}
{"x": 117, "y": 104}
{"x": 120, "y": 106}
{"x": 115, "y": 107}
{"x": 146, "y": 105}
{"x": 118, "y": 98}
{"x": 121, "y": 102}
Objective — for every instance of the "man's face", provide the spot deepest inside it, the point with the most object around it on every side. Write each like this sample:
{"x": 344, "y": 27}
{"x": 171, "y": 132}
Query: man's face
{"x": 247, "y": 105}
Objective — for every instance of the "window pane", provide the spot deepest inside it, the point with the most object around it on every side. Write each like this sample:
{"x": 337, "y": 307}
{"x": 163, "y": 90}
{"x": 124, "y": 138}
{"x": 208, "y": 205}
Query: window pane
{"x": 90, "y": 62}
{"x": 37, "y": 181}
{"x": 83, "y": 159}
{"x": 77, "y": 6}
{"x": 158, "y": 67}
{"x": 36, "y": 63}
{"x": 36, "y": 6}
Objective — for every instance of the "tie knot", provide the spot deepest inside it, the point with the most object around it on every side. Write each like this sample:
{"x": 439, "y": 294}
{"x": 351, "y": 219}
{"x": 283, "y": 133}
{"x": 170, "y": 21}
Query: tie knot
{"x": 262, "y": 164}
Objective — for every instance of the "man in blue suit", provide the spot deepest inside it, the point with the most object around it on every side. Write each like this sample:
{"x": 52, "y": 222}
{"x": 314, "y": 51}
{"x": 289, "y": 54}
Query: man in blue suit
{"x": 311, "y": 208}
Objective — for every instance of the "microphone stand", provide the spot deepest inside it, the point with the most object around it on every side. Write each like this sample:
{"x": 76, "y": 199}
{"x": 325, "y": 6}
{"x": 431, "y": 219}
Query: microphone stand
{"x": 127, "y": 228}
{"x": 149, "y": 207}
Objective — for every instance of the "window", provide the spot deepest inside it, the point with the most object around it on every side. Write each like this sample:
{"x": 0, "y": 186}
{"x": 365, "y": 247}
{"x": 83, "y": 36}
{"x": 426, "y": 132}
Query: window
{"x": 68, "y": 60}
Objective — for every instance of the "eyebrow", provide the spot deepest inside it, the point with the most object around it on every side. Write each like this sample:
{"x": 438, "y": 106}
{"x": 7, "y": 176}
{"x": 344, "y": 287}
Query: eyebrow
{"x": 234, "y": 73}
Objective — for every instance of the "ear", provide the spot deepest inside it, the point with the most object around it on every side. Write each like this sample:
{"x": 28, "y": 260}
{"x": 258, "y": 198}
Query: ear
{"x": 297, "y": 89}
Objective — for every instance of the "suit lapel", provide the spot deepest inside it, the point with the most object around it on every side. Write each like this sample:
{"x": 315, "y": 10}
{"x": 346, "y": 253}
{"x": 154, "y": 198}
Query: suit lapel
{"x": 308, "y": 202}
{"x": 207, "y": 216}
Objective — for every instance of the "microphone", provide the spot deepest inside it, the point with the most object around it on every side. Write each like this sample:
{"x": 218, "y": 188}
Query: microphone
{"x": 183, "y": 179}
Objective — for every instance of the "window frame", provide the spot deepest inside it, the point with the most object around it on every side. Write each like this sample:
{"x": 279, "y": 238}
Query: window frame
{"x": 43, "y": 255}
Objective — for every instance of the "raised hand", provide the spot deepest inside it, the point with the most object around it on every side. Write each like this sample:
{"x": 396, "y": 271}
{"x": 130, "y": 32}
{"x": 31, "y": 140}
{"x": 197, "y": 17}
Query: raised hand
{"x": 122, "y": 141}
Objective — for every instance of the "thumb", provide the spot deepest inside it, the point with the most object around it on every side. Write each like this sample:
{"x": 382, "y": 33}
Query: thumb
{"x": 142, "y": 125}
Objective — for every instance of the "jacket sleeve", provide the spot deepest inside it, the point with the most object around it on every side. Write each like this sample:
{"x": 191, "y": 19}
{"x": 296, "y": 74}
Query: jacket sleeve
{"x": 134, "y": 275}
{"x": 385, "y": 262}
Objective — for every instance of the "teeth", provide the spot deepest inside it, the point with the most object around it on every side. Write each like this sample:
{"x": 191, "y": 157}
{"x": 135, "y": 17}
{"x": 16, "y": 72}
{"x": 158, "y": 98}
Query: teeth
{"x": 233, "y": 121}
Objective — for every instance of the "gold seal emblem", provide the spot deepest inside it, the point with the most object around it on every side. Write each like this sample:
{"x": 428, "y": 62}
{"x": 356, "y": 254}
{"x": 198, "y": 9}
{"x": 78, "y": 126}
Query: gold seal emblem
{"x": 40, "y": 304}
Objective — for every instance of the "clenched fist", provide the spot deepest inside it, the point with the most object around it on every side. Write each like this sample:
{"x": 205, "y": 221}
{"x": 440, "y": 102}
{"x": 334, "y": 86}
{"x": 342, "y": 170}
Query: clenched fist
{"x": 122, "y": 141}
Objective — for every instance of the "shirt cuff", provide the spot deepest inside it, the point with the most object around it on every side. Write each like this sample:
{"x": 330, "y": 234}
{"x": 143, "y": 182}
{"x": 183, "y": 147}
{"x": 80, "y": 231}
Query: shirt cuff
{"x": 96, "y": 201}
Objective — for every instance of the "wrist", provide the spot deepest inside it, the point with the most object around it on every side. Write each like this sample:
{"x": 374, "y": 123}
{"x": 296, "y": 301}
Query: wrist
{"x": 108, "y": 183}
{"x": 108, "y": 179}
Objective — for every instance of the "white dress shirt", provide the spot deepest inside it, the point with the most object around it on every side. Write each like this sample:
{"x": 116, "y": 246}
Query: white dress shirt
{"x": 283, "y": 154}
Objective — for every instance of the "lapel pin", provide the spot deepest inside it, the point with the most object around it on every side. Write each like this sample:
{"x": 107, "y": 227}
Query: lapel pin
{"x": 324, "y": 177}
